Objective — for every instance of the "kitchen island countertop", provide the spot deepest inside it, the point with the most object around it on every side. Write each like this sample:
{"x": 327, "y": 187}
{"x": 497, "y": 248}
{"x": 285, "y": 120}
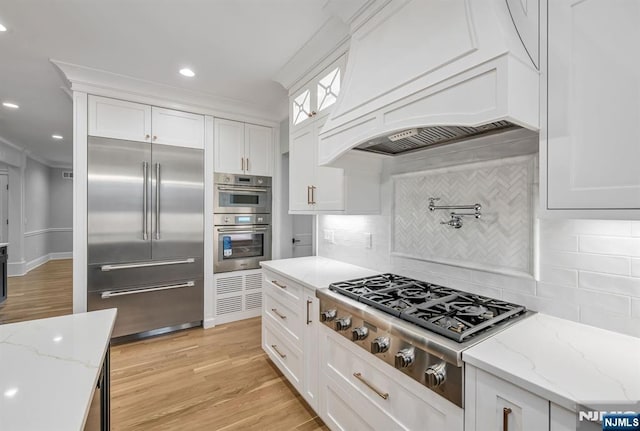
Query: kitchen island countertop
{"x": 316, "y": 272}
{"x": 49, "y": 369}
{"x": 563, "y": 361}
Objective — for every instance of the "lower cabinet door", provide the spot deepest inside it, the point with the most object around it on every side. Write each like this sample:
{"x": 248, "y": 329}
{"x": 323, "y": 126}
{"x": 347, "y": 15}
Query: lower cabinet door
{"x": 504, "y": 407}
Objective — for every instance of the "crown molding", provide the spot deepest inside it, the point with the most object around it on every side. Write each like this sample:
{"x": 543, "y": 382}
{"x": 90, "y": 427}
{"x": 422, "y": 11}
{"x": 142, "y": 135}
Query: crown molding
{"x": 104, "y": 83}
{"x": 333, "y": 34}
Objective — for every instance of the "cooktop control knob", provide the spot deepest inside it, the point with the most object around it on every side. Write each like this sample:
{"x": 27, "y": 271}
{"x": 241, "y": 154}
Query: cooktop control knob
{"x": 380, "y": 345}
{"x": 359, "y": 333}
{"x": 436, "y": 375}
{"x": 405, "y": 358}
{"x": 343, "y": 323}
{"x": 329, "y": 315}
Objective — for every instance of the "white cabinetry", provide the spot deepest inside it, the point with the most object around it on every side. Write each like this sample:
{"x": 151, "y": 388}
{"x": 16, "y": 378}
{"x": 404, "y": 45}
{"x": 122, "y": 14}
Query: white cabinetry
{"x": 290, "y": 332}
{"x": 313, "y": 99}
{"x": 492, "y": 403}
{"x": 341, "y": 189}
{"x": 360, "y": 392}
{"x": 311, "y": 187}
{"x": 589, "y": 143}
{"x": 113, "y": 118}
{"x": 242, "y": 148}
{"x": 181, "y": 129}
{"x": 118, "y": 119}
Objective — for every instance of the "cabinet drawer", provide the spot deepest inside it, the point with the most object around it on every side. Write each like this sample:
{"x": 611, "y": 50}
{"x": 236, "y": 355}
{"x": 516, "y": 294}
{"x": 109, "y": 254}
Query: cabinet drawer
{"x": 346, "y": 409}
{"x": 286, "y": 356}
{"x": 282, "y": 287}
{"x": 387, "y": 389}
{"x": 284, "y": 315}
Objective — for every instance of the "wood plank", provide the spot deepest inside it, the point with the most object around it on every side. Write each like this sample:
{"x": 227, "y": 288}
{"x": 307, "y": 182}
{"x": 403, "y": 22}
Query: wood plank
{"x": 214, "y": 379}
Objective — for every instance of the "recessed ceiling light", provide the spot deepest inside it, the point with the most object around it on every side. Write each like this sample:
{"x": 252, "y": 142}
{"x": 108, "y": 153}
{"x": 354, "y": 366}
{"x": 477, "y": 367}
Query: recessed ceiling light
{"x": 10, "y": 105}
{"x": 11, "y": 392}
{"x": 187, "y": 72}
{"x": 3, "y": 28}
{"x": 58, "y": 137}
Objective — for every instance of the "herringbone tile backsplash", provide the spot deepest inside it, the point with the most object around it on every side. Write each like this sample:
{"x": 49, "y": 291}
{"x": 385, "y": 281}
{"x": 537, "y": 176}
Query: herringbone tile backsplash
{"x": 500, "y": 239}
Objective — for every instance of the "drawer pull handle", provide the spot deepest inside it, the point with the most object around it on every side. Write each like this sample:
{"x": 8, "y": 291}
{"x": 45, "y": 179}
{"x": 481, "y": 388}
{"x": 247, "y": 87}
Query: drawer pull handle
{"x": 505, "y": 418}
{"x": 281, "y": 286}
{"x": 282, "y": 316}
{"x": 309, "y": 302}
{"x": 383, "y": 395}
{"x": 282, "y": 355}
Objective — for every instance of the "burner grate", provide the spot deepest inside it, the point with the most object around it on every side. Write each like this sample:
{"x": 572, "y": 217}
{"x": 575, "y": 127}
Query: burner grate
{"x": 452, "y": 313}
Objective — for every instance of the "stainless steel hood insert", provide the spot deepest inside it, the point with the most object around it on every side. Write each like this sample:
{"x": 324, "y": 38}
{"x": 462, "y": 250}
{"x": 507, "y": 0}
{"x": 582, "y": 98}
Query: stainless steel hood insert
{"x": 417, "y": 139}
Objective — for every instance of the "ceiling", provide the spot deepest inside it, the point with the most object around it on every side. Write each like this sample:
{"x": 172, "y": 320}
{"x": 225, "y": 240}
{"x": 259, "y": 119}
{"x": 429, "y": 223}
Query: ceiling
{"x": 234, "y": 46}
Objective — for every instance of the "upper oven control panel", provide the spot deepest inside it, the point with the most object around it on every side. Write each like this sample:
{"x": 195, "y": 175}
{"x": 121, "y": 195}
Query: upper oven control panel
{"x": 241, "y": 180}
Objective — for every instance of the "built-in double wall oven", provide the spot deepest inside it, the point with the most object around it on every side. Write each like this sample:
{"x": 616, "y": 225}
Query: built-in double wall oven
{"x": 242, "y": 222}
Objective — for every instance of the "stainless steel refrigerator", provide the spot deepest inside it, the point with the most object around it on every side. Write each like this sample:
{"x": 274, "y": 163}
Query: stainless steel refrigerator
{"x": 145, "y": 234}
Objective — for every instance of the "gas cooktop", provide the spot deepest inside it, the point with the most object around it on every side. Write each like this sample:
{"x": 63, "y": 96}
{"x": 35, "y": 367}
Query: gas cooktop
{"x": 449, "y": 312}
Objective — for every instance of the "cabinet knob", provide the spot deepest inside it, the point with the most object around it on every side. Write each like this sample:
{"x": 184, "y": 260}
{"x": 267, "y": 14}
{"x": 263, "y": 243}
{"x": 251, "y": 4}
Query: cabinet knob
{"x": 155, "y": 137}
{"x": 147, "y": 136}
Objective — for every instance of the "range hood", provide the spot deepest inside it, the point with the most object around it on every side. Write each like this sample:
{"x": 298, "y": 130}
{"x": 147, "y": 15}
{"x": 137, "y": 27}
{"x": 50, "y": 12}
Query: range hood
{"x": 422, "y": 73}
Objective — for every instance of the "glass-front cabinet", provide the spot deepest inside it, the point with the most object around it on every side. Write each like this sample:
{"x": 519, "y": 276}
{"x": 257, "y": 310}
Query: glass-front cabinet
{"x": 313, "y": 99}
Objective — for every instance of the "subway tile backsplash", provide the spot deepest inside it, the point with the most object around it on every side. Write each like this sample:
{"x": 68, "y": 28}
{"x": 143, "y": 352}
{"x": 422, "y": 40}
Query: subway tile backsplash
{"x": 589, "y": 270}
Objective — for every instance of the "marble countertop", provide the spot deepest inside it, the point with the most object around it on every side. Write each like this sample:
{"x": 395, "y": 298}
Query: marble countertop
{"x": 2, "y": 244}
{"x": 49, "y": 369}
{"x": 562, "y": 361}
{"x": 316, "y": 272}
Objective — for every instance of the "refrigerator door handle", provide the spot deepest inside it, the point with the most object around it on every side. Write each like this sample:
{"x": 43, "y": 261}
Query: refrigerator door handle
{"x": 145, "y": 199}
{"x": 157, "y": 236}
{"x": 112, "y": 293}
{"x": 106, "y": 268}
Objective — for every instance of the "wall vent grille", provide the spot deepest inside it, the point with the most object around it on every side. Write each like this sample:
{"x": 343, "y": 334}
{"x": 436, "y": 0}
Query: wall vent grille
{"x": 229, "y": 285}
{"x": 229, "y": 305}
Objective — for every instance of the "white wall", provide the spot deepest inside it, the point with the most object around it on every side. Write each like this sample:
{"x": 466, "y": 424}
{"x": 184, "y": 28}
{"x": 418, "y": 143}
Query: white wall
{"x": 589, "y": 271}
{"x": 36, "y": 207}
{"x": 60, "y": 212}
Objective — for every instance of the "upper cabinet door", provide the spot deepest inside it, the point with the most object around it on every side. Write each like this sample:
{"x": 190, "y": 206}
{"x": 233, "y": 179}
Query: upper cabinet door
{"x": 302, "y": 166}
{"x": 229, "y": 146}
{"x": 593, "y": 146}
{"x": 112, "y": 118}
{"x": 258, "y": 150}
{"x": 177, "y": 128}
{"x": 302, "y": 106}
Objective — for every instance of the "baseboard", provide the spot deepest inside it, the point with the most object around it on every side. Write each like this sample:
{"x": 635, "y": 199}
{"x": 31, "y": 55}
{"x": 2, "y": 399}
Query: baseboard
{"x": 232, "y": 317}
{"x": 18, "y": 269}
{"x": 61, "y": 255}
{"x": 33, "y": 264}
{"x": 209, "y": 323}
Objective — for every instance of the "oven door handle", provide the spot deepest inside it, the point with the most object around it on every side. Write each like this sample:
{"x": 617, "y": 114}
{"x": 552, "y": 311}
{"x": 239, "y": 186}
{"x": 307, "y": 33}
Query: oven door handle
{"x": 254, "y": 230}
{"x": 242, "y": 189}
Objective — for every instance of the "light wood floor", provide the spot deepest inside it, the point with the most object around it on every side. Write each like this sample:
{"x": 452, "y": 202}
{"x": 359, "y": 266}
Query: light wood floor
{"x": 214, "y": 379}
{"x": 46, "y": 291}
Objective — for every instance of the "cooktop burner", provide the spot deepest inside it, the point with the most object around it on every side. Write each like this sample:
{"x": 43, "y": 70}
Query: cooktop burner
{"x": 453, "y": 313}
